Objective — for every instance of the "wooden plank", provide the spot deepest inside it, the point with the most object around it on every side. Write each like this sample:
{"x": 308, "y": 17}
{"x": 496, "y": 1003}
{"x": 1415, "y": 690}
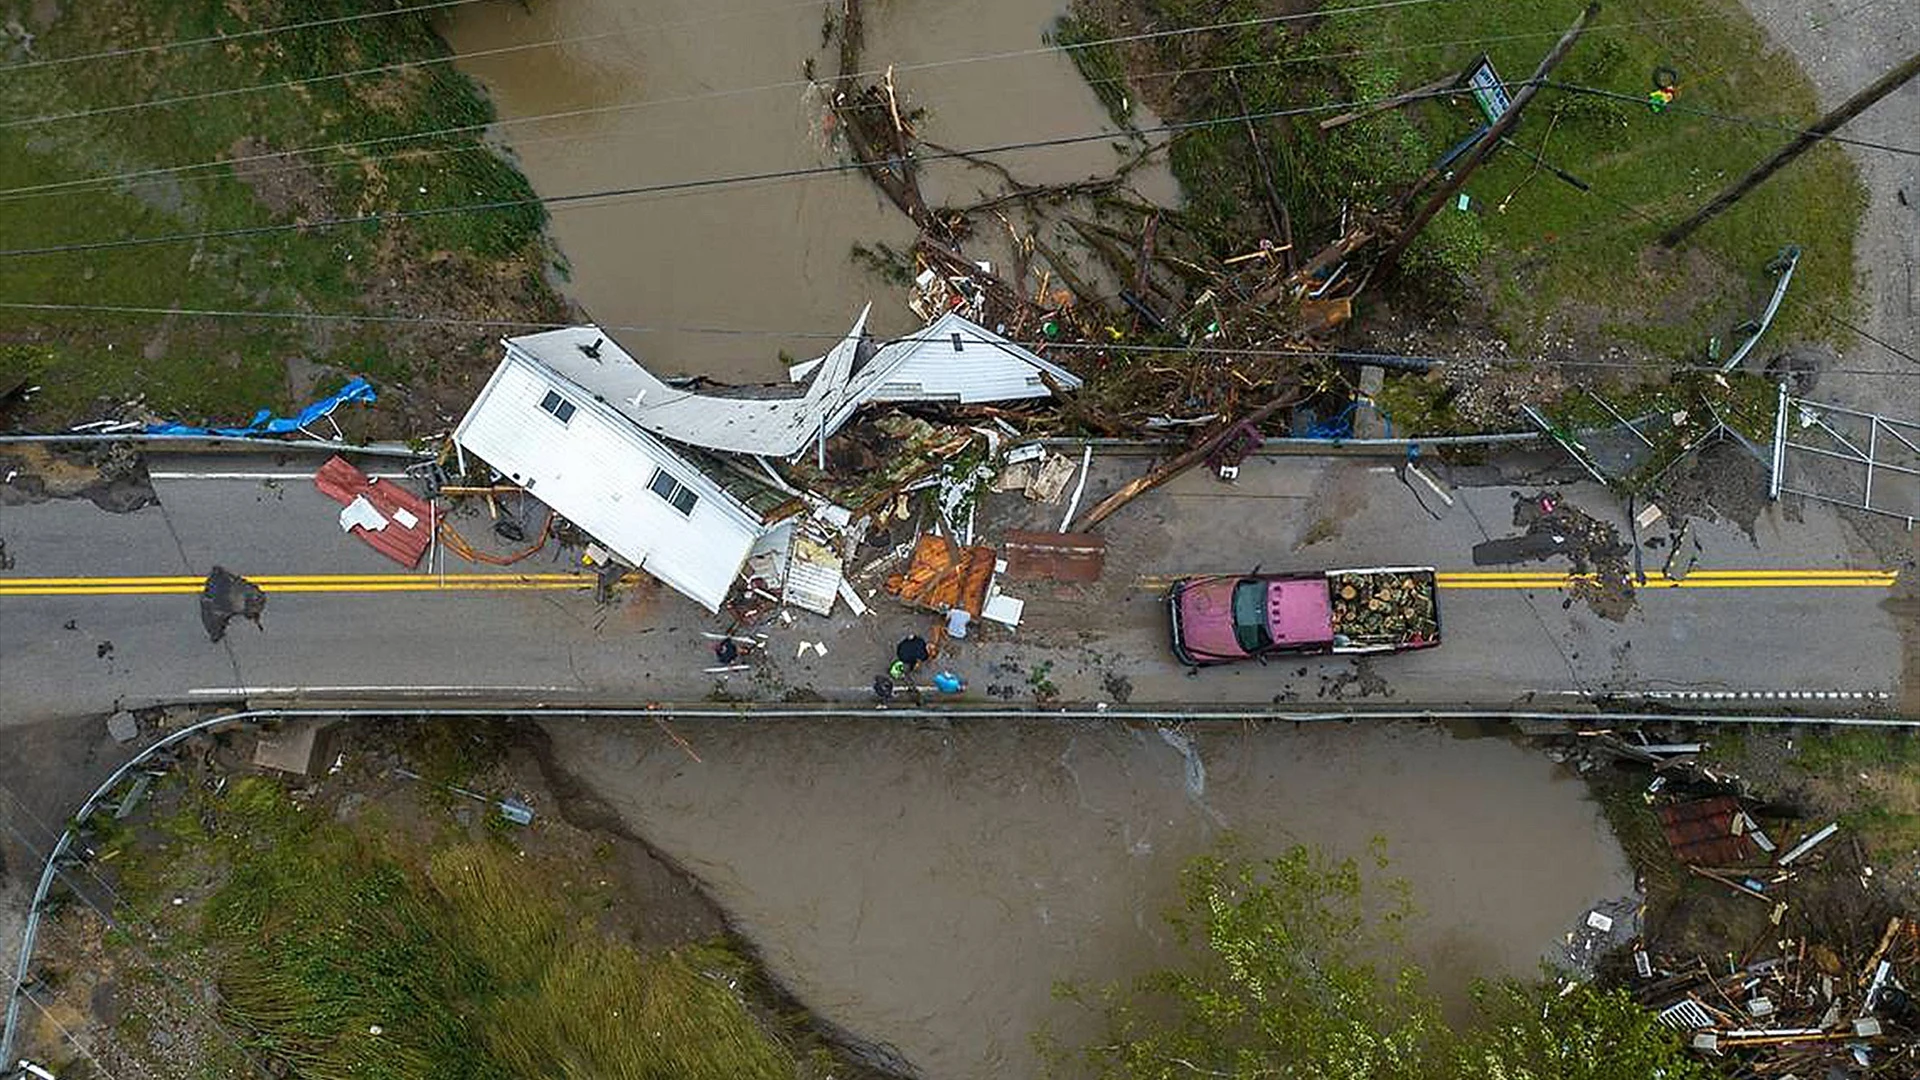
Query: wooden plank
{"x": 1077, "y": 557}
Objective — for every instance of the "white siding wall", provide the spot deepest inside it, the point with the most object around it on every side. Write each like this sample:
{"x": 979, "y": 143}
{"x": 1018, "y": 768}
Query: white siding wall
{"x": 594, "y": 471}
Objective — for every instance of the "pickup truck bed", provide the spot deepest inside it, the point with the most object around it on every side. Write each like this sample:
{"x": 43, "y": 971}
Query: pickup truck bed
{"x": 1383, "y": 610}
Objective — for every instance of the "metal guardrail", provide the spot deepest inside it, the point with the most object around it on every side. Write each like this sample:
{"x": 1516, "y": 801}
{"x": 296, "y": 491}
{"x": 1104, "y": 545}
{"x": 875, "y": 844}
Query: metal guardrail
{"x": 1885, "y": 440}
{"x": 64, "y": 845}
{"x": 217, "y": 443}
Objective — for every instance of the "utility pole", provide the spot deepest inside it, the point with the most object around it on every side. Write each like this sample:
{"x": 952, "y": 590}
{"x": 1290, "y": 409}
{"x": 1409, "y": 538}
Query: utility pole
{"x": 1489, "y": 138}
{"x": 1828, "y": 124}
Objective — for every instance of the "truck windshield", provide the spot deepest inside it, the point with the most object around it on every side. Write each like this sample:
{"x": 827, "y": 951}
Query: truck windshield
{"x": 1250, "y": 616}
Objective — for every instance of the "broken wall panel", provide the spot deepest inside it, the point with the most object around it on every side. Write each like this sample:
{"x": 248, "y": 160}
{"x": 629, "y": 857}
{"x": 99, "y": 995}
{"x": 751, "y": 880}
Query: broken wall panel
{"x": 1072, "y": 557}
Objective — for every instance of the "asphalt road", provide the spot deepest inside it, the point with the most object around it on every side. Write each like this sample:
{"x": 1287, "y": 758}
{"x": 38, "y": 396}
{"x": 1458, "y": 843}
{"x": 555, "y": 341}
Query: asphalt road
{"x": 74, "y": 641}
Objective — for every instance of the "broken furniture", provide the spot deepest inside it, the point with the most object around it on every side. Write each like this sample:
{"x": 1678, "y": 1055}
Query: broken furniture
{"x": 943, "y": 575}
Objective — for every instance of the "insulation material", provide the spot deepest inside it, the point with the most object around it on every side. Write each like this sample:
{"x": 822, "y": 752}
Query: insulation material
{"x": 813, "y": 577}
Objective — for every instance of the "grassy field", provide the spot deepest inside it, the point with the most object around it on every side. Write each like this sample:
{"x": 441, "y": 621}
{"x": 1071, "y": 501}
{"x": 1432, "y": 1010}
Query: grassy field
{"x": 356, "y": 950}
{"x": 190, "y": 138}
{"x": 1539, "y": 258}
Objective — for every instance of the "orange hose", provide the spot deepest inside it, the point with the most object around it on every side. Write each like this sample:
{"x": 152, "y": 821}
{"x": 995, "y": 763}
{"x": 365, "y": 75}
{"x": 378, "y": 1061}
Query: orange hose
{"x": 459, "y": 546}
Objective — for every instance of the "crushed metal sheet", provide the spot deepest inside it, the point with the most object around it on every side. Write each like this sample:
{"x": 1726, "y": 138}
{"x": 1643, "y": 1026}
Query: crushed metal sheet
{"x": 1701, "y": 832}
{"x": 405, "y": 544}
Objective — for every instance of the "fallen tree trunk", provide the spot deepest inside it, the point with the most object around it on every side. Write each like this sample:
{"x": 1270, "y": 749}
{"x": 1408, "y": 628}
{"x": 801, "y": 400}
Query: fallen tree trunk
{"x": 1160, "y": 475}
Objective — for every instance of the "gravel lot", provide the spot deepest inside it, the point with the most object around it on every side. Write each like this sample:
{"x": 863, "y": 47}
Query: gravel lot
{"x": 1844, "y": 45}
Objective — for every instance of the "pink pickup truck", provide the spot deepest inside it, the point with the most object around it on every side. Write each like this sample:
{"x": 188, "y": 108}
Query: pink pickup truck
{"x": 1220, "y": 619}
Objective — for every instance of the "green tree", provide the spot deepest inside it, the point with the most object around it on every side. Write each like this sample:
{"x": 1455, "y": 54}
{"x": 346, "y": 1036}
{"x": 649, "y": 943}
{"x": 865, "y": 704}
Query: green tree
{"x": 1281, "y": 980}
{"x": 1528, "y": 1033}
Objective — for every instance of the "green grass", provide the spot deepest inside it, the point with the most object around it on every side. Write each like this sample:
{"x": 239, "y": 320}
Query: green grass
{"x": 342, "y": 952}
{"x": 1554, "y": 245}
{"x": 1874, "y": 776}
{"x": 1541, "y": 253}
{"x": 1854, "y": 749}
{"x": 222, "y": 369}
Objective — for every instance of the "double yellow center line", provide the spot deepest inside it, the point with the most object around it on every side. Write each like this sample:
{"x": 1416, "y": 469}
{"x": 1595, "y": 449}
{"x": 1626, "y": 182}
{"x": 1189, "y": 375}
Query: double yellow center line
{"x": 1698, "y": 579}
{"x": 378, "y": 583}
{"x": 294, "y": 583}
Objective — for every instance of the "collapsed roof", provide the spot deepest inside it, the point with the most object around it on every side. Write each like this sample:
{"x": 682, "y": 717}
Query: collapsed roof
{"x": 951, "y": 360}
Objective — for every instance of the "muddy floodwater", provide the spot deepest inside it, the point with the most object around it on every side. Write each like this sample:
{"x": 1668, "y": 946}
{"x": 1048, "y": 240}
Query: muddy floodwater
{"x": 725, "y": 278}
{"x": 925, "y": 886}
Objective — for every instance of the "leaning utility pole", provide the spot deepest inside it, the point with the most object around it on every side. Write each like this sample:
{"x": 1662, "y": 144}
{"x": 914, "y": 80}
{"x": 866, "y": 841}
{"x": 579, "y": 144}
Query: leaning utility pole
{"x": 1884, "y": 85}
{"x": 1489, "y": 138}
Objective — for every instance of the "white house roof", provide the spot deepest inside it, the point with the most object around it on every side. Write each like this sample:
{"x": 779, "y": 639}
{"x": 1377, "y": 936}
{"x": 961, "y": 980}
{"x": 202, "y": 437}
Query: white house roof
{"x": 778, "y": 425}
{"x": 952, "y": 359}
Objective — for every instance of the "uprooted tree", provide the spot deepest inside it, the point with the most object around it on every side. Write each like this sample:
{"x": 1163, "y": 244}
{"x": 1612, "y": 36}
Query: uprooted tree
{"x": 1282, "y": 979}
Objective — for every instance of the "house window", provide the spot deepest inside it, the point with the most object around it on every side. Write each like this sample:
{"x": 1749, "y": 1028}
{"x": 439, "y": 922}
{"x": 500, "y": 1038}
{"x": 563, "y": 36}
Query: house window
{"x": 560, "y": 407}
{"x": 667, "y": 487}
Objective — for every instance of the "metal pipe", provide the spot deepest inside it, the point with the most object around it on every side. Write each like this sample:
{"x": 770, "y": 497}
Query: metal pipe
{"x": 1766, "y": 318}
{"x": 1863, "y": 460}
{"x": 1290, "y": 446}
{"x": 1779, "y": 447}
{"x": 1873, "y": 447}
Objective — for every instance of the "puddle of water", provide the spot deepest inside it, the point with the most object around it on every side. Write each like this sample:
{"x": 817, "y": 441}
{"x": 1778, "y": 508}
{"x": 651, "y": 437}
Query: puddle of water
{"x": 926, "y": 886}
{"x": 666, "y": 83}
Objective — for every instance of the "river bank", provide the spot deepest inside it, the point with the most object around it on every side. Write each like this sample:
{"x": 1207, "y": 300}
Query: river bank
{"x": 928, "y": 884}
{"x": 247, "y": 205}
{"x": 380, "y": 913}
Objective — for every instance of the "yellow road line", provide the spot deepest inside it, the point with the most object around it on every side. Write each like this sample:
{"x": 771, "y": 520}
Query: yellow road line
{"x": 1698, "y": 579}
{"x": 286, "y": 579}
{"x": 296, "y": 583}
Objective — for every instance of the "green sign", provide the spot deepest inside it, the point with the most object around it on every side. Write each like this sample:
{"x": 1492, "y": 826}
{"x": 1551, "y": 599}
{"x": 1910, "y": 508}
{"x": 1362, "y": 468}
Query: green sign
{"x": 1487, "y": 89}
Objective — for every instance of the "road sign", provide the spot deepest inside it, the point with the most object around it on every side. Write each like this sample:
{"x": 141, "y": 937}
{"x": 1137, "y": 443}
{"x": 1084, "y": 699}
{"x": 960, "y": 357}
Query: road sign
{"x": 1488, "y": 89}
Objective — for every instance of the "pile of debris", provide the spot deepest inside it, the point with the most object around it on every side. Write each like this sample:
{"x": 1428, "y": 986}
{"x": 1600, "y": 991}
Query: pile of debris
{"x": 1603, "y": 575}
{"x": 1804, "y": 1011}
{"x": 1796, "y": 987}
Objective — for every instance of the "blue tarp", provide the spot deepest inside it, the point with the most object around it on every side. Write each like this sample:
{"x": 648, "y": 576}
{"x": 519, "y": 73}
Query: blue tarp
{"x": 265, "y": 423}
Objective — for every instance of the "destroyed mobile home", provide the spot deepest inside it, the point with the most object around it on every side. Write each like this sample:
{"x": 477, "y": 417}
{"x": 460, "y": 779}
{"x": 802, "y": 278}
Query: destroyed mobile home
{"x": 686, "y": 481}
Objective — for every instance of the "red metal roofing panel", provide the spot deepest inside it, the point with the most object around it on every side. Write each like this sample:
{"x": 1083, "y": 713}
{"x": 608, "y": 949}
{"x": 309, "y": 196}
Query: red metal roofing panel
{"x": 402, "y": 543}
{"x": 1701, "y": 832}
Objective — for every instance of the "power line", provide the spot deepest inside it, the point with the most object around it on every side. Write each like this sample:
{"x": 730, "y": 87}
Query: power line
{"x": 221, "y": 39}
{"x": 1343, "y": 355}
{"x": 145, "y": 177}
{"x": 801, "y": 172}
{"x": 453, "y": 57}
{"x": 383, "y": 69}
{"x": 89, "y": 183}
{"x": 1883, "y": 343}
{"x": 609, "y": 194}
{"x": 1749, "y": 121}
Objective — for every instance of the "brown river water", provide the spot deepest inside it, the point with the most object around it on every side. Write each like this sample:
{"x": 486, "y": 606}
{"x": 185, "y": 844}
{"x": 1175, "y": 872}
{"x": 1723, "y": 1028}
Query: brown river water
{"x": 925, "y": 886}
{"x": 723, "y": 279}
